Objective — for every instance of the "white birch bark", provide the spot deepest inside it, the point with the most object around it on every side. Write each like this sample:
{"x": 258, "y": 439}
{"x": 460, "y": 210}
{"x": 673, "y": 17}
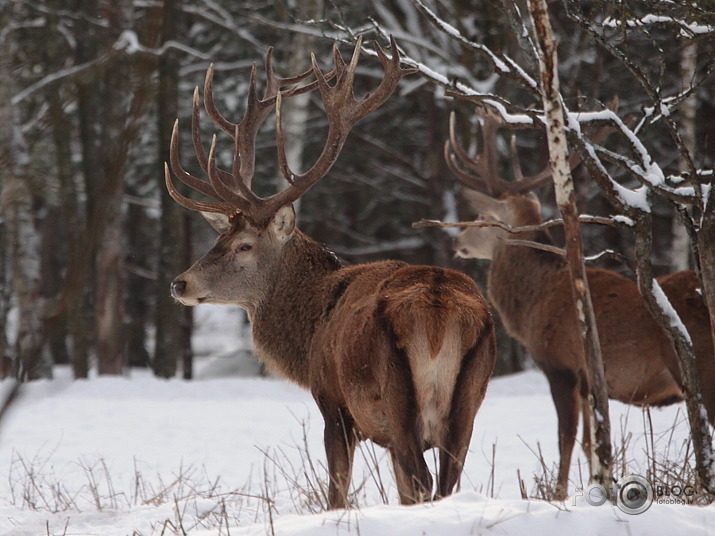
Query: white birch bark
{"x": 23, "y": 238}
{"x": 688, "y": 65}
{"x": 600, "y": 444}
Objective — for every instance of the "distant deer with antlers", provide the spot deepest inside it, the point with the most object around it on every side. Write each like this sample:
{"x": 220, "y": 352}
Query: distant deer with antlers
{"x": 394, "y": 353}
{"x": 531, "y": 290}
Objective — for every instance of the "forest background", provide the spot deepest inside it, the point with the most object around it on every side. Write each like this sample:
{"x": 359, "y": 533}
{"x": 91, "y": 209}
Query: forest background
{"x": 90, "y": 90}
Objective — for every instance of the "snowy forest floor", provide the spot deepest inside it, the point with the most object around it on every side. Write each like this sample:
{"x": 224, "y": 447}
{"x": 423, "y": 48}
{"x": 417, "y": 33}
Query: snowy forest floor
{"x": 229, "y": 454}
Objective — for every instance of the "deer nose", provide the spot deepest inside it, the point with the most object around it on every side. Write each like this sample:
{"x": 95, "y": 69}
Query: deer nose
{"x": 178, "y": 287}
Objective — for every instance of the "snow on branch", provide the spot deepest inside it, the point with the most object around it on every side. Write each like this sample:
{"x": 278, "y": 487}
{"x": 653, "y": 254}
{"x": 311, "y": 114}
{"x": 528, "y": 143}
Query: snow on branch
{"x": 128, "y": 42}
{"x": 669, "y": 311}
{"x": 638, "y": 163}
{"x": 687, "y": 29}
{"x": 503, "y": 64}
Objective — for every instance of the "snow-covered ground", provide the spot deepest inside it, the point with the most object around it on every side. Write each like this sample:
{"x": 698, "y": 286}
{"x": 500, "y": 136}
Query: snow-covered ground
{"x": 229, "y": 454}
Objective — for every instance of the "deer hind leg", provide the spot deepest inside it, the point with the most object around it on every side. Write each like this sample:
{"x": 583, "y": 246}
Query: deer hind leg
{"x": 340, "y": 441}
{"x": 414, "y": 481}
{"x": 469, "y": 391}
{"x": 566, "y": 396}
{"x": 588, "y": 425}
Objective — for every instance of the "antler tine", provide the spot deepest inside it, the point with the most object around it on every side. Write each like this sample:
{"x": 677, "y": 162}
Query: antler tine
{"x": 523, "y": 184}
{"x": 343, "y": 112}
{"x": 233, "y": 199}
{"x": 454, "y": 151}
{"x": 483, "y": 174}
{"x": 467, "y": 179}
{"x": 393, "y": 75}
{"x": 274, "y": 82}
{"x": 244, "y": 133}
{"x": 196, "y": 139}
{"x": 280, "y": 145}
{"x": 192, "y": 204}
{"x": 223, "y": 176}
{"x": 223, "y": 123}
{"x": 185, "y": 177}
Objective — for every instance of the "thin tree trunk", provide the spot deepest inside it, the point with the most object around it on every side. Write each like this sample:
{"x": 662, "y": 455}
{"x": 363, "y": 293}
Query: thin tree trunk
{"x": 23, "y": 238}
{"x": 79, "y": 282}
{"x": 171, "y": 342}
{"x": 51, "y": 280}
{"x": 688, "y": 65}
{"x": 5, "y": 297}
{"x": 705, "y": 457}
{"x": 110, "y": 282}
{"x": 440, "y": 239}
{"x": 294, "y": 111}
{"x": 600, "y": 457}
{"x": 666, "y": 317}
{"x": 126, "y": 98}
{"x": 140, "y": 229}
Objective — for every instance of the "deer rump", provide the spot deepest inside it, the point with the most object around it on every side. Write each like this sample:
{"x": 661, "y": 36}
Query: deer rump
{"x": 407, "y": 351}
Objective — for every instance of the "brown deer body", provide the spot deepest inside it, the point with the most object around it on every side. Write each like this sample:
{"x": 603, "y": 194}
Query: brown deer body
{"x": 685, "y": 295}
{"x": 394, "y": 353}
{"x": 531, "y": 290}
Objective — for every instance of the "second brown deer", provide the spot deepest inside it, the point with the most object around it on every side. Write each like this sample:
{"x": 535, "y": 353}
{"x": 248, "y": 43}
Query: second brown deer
{"x": 531, "y": 290}
{"x": 394, "y": 353}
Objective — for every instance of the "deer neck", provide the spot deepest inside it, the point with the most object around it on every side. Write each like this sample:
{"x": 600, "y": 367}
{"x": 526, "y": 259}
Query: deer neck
{"x": 518, "y": 277}
{"x": 285, "y": 320}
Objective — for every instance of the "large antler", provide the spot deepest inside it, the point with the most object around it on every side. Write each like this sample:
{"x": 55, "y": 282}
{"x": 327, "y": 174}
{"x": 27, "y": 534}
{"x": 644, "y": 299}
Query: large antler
{"x": 232, "y": 190}
{"x": 481, "y": 173}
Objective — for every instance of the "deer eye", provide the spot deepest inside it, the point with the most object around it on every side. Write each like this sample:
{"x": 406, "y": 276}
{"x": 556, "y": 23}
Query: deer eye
{"x": 245, "y": 247}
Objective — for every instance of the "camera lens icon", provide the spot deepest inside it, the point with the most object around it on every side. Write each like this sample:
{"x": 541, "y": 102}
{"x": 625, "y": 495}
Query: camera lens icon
{"x": 635, "y": 494}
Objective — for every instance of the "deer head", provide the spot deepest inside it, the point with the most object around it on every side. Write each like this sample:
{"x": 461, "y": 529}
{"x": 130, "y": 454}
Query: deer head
{"x": 253, "y": 230}
{"x": 491, "y": 197}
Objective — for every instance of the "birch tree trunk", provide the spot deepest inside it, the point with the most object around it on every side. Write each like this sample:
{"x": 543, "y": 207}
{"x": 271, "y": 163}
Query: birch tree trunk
{"x": 23, "y": 238}
{"x": 294, "y": 111}
{"x": 600, "y": 444}
{"x": 688, "y": 66}
{"x": 5, "y": 296}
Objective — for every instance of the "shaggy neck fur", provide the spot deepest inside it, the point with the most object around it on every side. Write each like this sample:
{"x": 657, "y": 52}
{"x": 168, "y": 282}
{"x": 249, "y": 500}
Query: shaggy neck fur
{"x": 285, "y": 321}
{"x": 517, "y": 278}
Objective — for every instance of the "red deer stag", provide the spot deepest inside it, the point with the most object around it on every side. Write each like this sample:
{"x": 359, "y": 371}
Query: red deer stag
{"x": 531, "y": 290}
{"x": 394, "y": 353}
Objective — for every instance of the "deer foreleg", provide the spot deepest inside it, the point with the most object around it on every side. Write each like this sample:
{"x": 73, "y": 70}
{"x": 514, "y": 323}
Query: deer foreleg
{"x": 340, "y": 441}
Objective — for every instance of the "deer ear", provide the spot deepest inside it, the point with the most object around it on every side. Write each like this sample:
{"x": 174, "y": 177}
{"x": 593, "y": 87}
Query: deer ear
{"x": 283, "y": 222}
{"x": 483, "y": 204}
{"x": 217, "y": 220}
